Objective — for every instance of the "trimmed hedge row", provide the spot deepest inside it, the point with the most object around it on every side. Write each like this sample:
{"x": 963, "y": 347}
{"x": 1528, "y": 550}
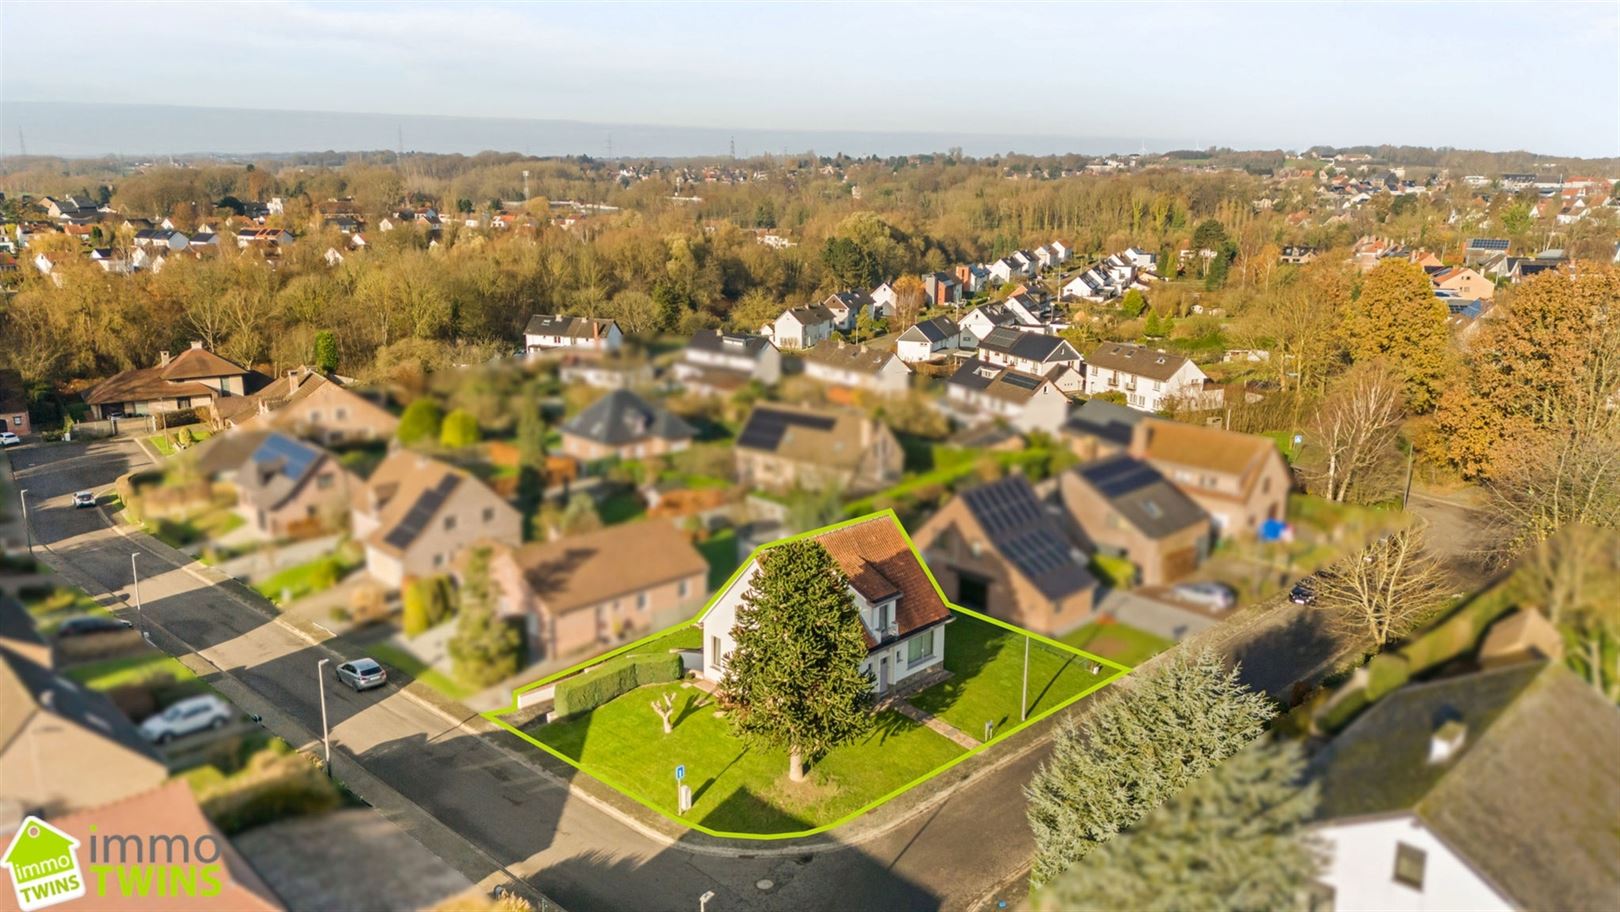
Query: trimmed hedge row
{"x": 591, "y": 689}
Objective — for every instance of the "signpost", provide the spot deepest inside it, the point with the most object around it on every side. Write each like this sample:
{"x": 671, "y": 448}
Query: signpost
{"x": 683, "y": 794}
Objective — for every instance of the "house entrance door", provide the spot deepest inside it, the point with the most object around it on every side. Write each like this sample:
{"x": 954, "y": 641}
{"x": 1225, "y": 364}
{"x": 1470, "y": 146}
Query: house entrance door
{"x": 883, "y": 674}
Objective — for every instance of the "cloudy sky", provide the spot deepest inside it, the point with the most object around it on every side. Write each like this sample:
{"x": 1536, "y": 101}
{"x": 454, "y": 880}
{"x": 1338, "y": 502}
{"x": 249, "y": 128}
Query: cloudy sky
{"x": 1543, "y": 76}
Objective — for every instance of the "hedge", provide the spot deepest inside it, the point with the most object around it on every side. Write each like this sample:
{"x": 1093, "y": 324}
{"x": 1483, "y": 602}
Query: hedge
{"x": 591, "y": 689}
{"x": 1386, "y": 672}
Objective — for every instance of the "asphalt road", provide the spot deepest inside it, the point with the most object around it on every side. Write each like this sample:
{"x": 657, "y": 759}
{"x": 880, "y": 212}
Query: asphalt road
{"x": 967, "y": 848}
{"x": 584, "y": 858}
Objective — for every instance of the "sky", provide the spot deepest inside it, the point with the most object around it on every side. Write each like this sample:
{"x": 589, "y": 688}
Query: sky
{"x": 1498, "y": 76}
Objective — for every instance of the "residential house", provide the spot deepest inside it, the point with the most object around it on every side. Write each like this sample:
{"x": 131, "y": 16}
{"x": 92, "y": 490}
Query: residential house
{"x": 547, "y": 332}
{"x": 1240, "y": 480}
{"x": 318, "y": 407}
{"x": 64, "y": 747}
{"x": 1152, "y": 380}
{"x": 1006, "y": 270}
{"x": 882, "y": 300}
{"x": 981, "y": 320}
{"x": 903, "y": 615}
{"x": 942, "y": 288}
{"x": 1091, "y": 285}
{"x": 857, "y": 367}
{"x": 980, "y": 390}
{"x": 847, "y": 306}
{"x": 1101, "y": 428}
{"x": 162, "y": 239}
{"x": 197, "y": 377}
{"x": 625, "y": 426}
{"x": 804, "y": 326}
{"x": 1032, "y": 309}
{"x": 1464, "y": 283}
{"x": 974, "y": 277}
{"x": 929, "y": 340}
{"x": 291, "y": 489}
{"x": 1478, "y": 250}
{"x": 1299, "y": 254}
{"x": 415, "y": 514}
{"x": 1125, "y": 508}
{"x": 14, "y": 404}
{"x": 720, "y": 363}
{"x": 997, "y": 548}
{"x": 267, "y": 238}
{"x": 588, "y": 593}
{"x": 1137, "y": 259}
{"x": 620, "y": 370}
{"x": 1494, "y": 789}
{"x": 783, "y": 446}
{"x": 1031, "y": 353}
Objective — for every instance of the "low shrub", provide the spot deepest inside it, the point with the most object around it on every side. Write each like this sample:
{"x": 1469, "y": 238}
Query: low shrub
{"x": 1117, "y": 572}
{"x": 591, "y": 689}
{"x": 274, "y": 786}
{"x": 1385, "y": 672}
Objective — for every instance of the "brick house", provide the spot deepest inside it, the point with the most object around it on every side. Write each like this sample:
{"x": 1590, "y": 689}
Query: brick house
{"x": 783, "y": 447}
{"x": 415, "y": 515}
{"x": 624, "y": 425}
{"x": 291, "y": 489}
{"x": 196, "y": 377}
{"x": 14, "y": 404}
{"x": 1125, "y": 508}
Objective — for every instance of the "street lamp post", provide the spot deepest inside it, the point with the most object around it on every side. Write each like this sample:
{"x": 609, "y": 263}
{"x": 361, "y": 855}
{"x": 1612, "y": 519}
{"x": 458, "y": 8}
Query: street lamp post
{"x": 135, "y": 584}
{"x": 326, "y": 734}
{"x": 1023, "y": 703}
{"x": 28, "y": 531}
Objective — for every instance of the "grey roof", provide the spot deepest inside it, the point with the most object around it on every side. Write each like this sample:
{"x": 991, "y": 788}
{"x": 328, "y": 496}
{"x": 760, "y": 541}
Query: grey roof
{"x": 622, "y": 417}
{"x": 1032, "y": 346}
{"x": 713, "y": 340}
{"x": 997, "y": 380}
{"x": 1141, "y": 495}
{"x": 999, "y": 314}
{"x": 846, "y": 356}
{"x": 1026, "y": 535}
{"x": 1531, "y": 799}
{"x": 1136, "y": 359}
{"x": 811, "y": 314}
{"x": 936, "y": 330}
{"x": 27, "y": 688}
{"x": 849, "y": 299}
{"x": 1105, "y": 420}
{"x": 572, "y": 327}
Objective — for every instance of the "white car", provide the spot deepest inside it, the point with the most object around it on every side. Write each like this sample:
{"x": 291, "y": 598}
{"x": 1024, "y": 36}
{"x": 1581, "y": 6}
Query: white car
{"x": 193, "y": 714}
{"x": 1214, "y": 596}
{"x": 84, "y": 499}
{"x": 7, "y": 438}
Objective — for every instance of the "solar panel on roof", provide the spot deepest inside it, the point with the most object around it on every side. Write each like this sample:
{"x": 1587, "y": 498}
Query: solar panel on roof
{"x": 766, "y": 427}
{"x": 294, "y": 458}
{"x": 421, "y": 512}
{"x": 1022, "y": 381}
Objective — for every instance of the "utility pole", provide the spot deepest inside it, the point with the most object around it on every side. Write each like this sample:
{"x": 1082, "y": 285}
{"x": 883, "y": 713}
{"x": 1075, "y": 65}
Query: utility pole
{"x": 525, "y": 185}
{"x": 326, "y": 733}
{"x": 135, "y": 584}
{"x": 1023, "y": 703}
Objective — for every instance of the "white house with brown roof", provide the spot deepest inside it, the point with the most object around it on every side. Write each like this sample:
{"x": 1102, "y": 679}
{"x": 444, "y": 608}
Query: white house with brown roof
{"x": 1151, "y": 380}
{"x": 195, "y": 378}
{"x": 804, "y": 326}
{"x": 857, "y": 367}
{"x": 415, "y": 514}
{"x": 547, "y": 332}
{"x": 591, "y": 592}
{"x": 903, "y": 614}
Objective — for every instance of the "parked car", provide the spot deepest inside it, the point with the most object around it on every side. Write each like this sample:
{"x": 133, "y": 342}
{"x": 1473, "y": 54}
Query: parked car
{"x": 84, "y": 499}
{"x": 1304, "y": 592}
{"x": 90, "y": 625}
{"x": 1214, "y": 596}
{"x": 362, "y": 674}
{"x": 7, "y": 438}
{"x": 193, "y": 714}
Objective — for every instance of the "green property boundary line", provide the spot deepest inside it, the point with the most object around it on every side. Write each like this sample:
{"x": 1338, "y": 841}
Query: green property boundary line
{"x": 495, "y": 715}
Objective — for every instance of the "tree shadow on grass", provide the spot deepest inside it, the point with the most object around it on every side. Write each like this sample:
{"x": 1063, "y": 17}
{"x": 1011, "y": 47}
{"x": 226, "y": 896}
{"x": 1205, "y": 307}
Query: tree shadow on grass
{"x": 1045, "y": 689}
{"x": 700, "y": 791}
{"x": 743, "y": 811}
{"x": 970, "y": 646}
{"x": 693, "y": 703}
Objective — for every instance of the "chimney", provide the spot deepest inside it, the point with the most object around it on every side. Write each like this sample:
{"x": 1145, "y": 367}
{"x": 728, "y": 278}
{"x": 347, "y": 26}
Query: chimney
{"x": 163, "y": 358}
{"x": 196, "y": 344}
{"x": 1447, "y": 741}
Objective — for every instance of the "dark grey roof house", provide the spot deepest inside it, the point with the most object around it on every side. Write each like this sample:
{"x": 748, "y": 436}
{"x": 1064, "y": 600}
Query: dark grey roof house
{"x": 626, "y": 425}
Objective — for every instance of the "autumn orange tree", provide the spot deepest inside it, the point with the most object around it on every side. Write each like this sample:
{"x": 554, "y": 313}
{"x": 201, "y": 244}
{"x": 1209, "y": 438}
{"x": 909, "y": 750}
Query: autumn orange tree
{"x": 1397, "y": 318}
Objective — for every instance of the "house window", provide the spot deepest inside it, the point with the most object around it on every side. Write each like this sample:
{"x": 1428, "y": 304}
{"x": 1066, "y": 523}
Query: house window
{"x": 682, "y": 588}
{"x": 438, "y": 560}
{"x": 489, "y": 515}
{"x": 325, "y": 482}
{"x": 449, "y": 522}
{"x": 641, "y": 601}
{"x": 341, "y": 414}
{"x": 16, "y": 420}
{"x": 919, "y": 649}
{"x": 1409, "y": 862}
{"x": 715, "y": 658}
{"x": 883, "y": 617}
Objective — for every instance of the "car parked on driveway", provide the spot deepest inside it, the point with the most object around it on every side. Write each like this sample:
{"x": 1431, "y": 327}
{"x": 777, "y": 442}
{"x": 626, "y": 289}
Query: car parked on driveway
{"x": 7, "y": 438}
{"x": 84, "y": 499}
{"x": 91, "y": 625}
{"x": 1214, "y": 596}
{"x": 362, "y": 674}
{"x": 191, "y": 715}
{"x": 1304, "y": 592}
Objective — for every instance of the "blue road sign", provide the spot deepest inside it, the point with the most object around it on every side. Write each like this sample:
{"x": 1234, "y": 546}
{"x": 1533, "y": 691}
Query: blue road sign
{"x": 680, "y": 772}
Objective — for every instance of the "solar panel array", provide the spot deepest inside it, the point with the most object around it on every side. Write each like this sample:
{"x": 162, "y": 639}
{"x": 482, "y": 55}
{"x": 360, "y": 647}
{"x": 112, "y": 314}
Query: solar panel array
{"x": 766, "y": 427}
{"x": 1022, "y": 381}
{"x": 1118, "y": 477}
{"x": 1011, "y": 515}
{"x": 294, "y": 458}
{"x": 421, "y": 512}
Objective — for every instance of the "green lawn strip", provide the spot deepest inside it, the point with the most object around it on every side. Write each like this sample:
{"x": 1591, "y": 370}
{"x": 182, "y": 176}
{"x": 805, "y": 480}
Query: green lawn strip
{"x": 307, "y": 578}
{"x": 110, "y": 673}
{"x": 61, "y": 603}
{"x": 720, "y": 550}
{"x": 737, "y": 788}
{"x": 209, "y": 524}
{"x": 389, "y": 654}
{"x": 680, "y": 636}
{"x": 987, "y": 666}
{"x": 1124, "y": 644}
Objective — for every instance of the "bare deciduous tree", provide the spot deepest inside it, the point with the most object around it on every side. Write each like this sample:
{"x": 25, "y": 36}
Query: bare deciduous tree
{"x": 665, "y": 708}
{"x": 1353, "y": 433}
{"x": 1384, "y": 591}
{"x": 1575, "y": 576}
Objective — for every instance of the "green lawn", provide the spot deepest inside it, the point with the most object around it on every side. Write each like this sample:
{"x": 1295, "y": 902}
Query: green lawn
{"x": 1125, "y": 645}
{"x": 737, "y": 788}
{"x": 987, "y": 664}
{"x": 110, "y": 673}
{"x": 300, "y": 580}
{"x": 720, "y": 550}
{"x": 681, "y": 636}
{"x": 52, "y": 604}
{"x": 210, "y": 524}
{"x": 165, "y": 446}
{"x": 389, "y": 654}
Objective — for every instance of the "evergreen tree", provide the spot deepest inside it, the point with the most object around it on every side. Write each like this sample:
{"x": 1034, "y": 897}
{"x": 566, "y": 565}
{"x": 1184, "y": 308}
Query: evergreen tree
{"x": 1233, "y": 840}
{"x": 460, "y": 429}
{"x": 795, "y": 677}
{"x": 414, "y": 610}
{"x": 1397, "y": 318}
{"x": 1133, "y": 303}
{"x": 1160, "y": 730}
{"x": 1153, "y": 329}
{"x": 485, "y": 649}
{"x": 420, "y": 421}
{"x": 326, "y": 351}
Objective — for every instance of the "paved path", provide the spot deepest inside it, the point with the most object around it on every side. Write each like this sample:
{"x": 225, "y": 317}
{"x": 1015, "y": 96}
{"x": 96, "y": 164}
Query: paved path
{"x": 936, "y": 724}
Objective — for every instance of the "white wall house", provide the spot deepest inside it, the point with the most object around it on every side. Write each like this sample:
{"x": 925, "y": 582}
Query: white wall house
{"x": 1028, "y": 402}
{"x": 546, "y": 332}
{"x": 1395, "y": 862}
{"x": 883, "y": 299}
{"x": 801, "y": 327}
{"x": 847, "y": 364}
{"x": 929, "y": 340}
{"x": 1150, "y": 379}
{"x": 903, "y": 615}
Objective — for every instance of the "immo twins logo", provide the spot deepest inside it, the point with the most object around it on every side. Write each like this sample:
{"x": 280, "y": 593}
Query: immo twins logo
{"x": 43, "y": 862}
